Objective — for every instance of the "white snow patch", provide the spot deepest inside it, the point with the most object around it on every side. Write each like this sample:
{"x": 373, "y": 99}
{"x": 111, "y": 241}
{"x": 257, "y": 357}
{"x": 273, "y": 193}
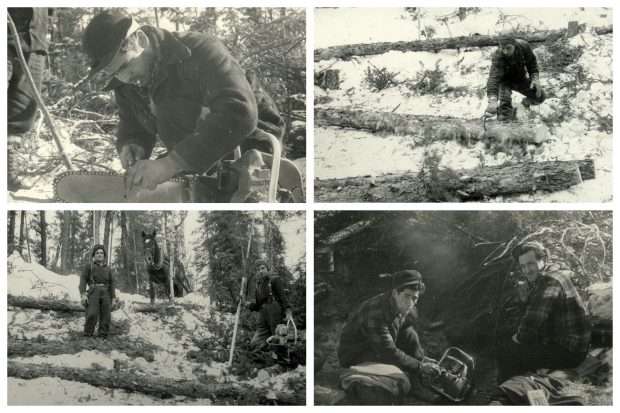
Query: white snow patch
{"x": 86, "y": 359}
{"x": 600, "y": 302}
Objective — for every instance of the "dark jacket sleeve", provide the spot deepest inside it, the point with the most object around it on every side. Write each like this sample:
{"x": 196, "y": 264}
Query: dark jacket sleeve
{"x": 279, "y": 293}
{"x": 495, "y": 75}
{"x": 383, "y": 344}
{"x": 529, "y": 58}
{"x": 232, "y": 108}
{"x": 84, "y": 278}
{"x": 130, "y": 130}
{"x": 111, "y": 284}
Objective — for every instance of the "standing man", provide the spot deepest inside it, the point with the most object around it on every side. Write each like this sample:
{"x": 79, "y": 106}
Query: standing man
{"x": 554, "y": 333}
{"x": 32, "y": 25}
{"x": 100, "y": 296}
{"x": 381, "y": 330}
{"x": 184, "y": 88}
{"x": 271, "y": 303}
{"x": 514, "y": 67}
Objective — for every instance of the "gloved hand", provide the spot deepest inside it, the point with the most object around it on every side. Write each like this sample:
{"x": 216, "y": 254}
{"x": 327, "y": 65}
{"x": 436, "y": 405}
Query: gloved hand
{"x": 288, "y": 314}
{"x": 536, "y": 85}
{"x": 492, "y": 106}
{"x": 84, "y": 300}
{"x": 150, "y": 173}
{"x": 130, "y": 154}
{"x": 429, "y": 369}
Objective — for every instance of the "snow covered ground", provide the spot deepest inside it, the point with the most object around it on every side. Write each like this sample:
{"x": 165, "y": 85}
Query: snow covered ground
{"x": 169, "y": 337}
{"x": 581, "y": 95}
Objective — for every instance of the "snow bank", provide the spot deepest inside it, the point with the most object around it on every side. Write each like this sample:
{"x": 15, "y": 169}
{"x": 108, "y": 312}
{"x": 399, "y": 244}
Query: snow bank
{"x": 600, "y": 301}
{"x": 86, "y": 359}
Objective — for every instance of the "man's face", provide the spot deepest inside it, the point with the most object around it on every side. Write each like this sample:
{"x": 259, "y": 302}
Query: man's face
{"x": 507, "y": 49}
{"x": 99, "y": 256}
{"x": 406, "y": 299}
{"x": 130, "y": 64}
{"x": 261, "y": 270}
{"x": 530, "y": 266}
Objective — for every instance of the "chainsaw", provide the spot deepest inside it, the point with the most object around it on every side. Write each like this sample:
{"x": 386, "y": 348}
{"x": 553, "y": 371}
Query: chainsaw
{"x": 454, "y": 377}
{"x": 252, "y": 177}
{"x": 280, "y": 342}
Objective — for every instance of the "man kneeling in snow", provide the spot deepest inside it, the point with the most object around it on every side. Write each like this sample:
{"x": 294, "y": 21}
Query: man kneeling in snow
{"x": 508, "y": 72}
{"x": 100, "y": 296}
{"x": 381, "y": 348}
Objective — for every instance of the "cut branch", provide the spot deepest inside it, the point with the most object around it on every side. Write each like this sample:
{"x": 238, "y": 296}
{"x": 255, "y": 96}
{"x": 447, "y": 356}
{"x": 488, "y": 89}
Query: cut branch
{"x": 346, "y": 52}
{"x": 430, "y": 128}
{"x": 449, "y": 185}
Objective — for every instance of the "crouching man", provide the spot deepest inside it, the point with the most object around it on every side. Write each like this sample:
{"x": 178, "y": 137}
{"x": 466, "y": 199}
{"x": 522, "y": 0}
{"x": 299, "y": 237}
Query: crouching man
{"x": 379, "y": 341}
{"x": 100, "y": 296}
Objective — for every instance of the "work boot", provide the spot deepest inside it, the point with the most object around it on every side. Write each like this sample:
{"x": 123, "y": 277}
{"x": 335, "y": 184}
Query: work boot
{"x": 14, "y": 182}
{"x": 526, "y": 102}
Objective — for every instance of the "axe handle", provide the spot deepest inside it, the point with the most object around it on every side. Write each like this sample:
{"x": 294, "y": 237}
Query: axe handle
{"x": 234, "y": 337}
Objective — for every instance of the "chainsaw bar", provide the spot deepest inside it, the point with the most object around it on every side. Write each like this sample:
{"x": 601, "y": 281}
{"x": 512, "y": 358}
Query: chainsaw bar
{"x": 109, "y": 187}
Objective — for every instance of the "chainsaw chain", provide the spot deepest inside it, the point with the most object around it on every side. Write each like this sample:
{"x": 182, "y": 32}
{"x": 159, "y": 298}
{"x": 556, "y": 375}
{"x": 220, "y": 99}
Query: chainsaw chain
{"x": 104, "y": 173}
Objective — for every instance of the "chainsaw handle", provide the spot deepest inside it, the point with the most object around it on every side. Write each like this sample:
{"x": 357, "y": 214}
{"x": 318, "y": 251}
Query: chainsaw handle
{"x": 275, "y": 167}
{"x": 290, "y": 321}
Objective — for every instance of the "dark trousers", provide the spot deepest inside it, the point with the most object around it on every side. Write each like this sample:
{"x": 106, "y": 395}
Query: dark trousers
{"x": 504, "y": 111}
{"x": 99, "y": 308}
{"x": 407, "y": 340}
{"x": 515, "y": 359}
{"x": 21, "y": 104}
{"x": 270, "y": 315}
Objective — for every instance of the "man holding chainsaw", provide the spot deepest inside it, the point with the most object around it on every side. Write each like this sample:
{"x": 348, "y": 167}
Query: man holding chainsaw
{"x": 381, "y": 330}
{"x": 514, "y": 67}
{"x": 554, "y": 333}
{"x": 100, "y": 297}
{"x": 272, "y": 304}
{"x": 185, "y": 88}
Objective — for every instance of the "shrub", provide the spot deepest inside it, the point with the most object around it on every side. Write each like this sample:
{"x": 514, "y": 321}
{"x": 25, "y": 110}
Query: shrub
{"x": 378, "y": 79}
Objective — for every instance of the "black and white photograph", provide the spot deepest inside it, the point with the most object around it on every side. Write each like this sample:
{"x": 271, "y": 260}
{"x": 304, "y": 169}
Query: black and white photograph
{"x": 156, "y": 308}
{"x": 463, "y": 104}
{"x": 463, "y": 308}
{"x": 157, "y": 104}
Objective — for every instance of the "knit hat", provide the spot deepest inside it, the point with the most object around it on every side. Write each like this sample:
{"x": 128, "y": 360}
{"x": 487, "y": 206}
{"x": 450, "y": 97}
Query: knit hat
{"x": 260, "y": 262}
{"x": 411, "y": 278}
{"x": 97, "y": 248}
{"x": 506, "y": 37}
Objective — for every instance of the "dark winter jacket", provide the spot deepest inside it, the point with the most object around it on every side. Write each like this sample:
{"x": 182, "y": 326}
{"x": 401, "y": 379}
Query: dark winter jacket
{"x": 32, "y": 24}
{"x": 511, "y": 69}
{"x": 374, "y": 328}
{"x": 199, "y": 102}
{"x": 269, "y": 289}
{"x": 94, "y": 273}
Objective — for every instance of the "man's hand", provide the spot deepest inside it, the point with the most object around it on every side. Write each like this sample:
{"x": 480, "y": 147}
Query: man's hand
{"x": 492, "y": 106}
{"x": 130, "y": 154}
{"x": 148, "y": 174}
{"x": 84, "y": 300}
{"x": 536, "y": 86}
{"x": 429, "y": 369}
{"x": 114, "y": 303}
{"x": 288, "y": 314}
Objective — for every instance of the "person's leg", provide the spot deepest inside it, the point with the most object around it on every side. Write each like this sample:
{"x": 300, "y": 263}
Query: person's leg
{"x": 105, "y": 313}
{"x": 504, "y": 110}
{"x": 556, "y": 357}
{"x": 92, "y": 313}
{"x": 523, "y": 87}
{"x": 21, "y": 103}
{"x": 513, "y": 359}
{"x": 262, "y": 333}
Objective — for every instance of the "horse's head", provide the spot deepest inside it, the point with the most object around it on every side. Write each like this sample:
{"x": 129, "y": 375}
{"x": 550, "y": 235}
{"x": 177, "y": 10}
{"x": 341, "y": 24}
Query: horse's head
{"x": 150, "y": 247}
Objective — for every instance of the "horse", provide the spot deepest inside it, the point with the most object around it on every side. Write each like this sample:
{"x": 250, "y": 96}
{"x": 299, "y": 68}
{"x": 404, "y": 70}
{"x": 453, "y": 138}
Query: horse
{"x": 158, "y": 268}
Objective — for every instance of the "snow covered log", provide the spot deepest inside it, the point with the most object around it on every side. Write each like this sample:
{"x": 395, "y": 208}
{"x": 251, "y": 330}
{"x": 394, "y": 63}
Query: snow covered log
{"x": 345, "y": 52}
{"x": 449, "y": 185}
{"x": 430, "y": 128}
{"x": 29, "y": 348}
{"x": 72, "y": 306}
{"x": 154, "y": 386}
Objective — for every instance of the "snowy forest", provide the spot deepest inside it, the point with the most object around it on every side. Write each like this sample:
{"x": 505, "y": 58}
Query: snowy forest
{"x": 269, "y": 42}
{"x": 164, "y": 351}
{"x": 399, "y": 113}
{"x": 471, "y": 282}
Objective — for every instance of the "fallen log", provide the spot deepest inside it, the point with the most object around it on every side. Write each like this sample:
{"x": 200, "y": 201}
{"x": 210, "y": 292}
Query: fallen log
{"x": 345, "y": 52}
{"x": 454, "y": 186}
{"x": 427, "y": 129}
{"x": 53, "y": 304}
{"x": 155, "y": 386}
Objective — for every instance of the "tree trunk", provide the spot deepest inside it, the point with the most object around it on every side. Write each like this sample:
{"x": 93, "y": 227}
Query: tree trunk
{"x": 22, "y": 232}
{"x": 106, "y": 231}
{"x": 428, "y": 129}
{"x": 448, "y": 185}
{"x": 43, "y": 225}
{"x": 11, "y": 232}
{"x": 145, "y": 384}
{"x": 345, "y": 52}
{"x": 65, "y": 241}
{"x": 96, "y": 227}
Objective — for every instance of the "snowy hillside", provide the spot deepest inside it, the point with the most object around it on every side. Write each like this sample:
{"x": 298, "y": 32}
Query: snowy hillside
{"x": 155, "y": 355}
{"x": 578, "y": 111}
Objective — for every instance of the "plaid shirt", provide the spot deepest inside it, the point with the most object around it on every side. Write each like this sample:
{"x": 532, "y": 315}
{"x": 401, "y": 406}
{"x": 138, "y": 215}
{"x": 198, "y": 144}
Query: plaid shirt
{"x": 371, "y": 332}
{"x": 556, "y": 313}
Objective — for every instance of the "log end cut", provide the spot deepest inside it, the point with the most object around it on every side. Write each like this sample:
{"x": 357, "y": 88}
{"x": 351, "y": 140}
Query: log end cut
{"x": 541, "y": 134}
